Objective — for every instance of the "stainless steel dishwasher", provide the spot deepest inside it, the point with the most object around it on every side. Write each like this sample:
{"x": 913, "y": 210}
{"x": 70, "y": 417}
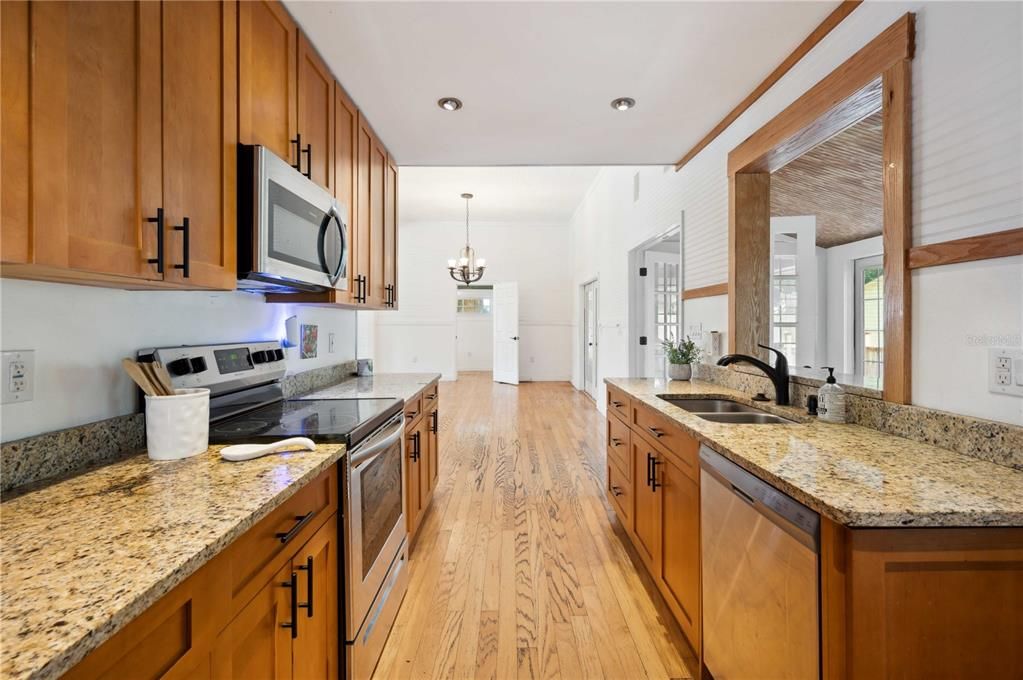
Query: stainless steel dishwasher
{"x": 760, "y": 552}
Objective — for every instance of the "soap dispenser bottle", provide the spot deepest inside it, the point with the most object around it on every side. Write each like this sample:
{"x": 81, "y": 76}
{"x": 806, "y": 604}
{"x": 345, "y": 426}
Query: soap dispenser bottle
{"x": 831, "y": 400}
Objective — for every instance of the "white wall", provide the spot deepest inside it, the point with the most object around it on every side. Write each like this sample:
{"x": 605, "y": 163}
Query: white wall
{"x": 80, "y": 334}
{"x": 420, "y": 336}
{"x": 967, "y": 179}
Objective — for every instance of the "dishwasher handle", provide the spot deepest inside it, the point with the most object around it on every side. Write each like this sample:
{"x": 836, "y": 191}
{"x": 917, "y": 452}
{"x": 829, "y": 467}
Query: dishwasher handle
{"x": 795, "y": 518}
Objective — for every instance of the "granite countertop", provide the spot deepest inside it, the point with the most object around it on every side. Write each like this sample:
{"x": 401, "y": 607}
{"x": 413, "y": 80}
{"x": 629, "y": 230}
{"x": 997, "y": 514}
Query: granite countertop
{"x": 382, "y": 385}
{"x": 857, "y": 476}
{"x": 84, "y": 556}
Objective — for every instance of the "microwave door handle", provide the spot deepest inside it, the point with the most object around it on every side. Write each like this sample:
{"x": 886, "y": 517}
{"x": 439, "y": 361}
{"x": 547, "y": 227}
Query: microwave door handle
{"x": 363, "y": 455}
{"x": 332, "y": 216}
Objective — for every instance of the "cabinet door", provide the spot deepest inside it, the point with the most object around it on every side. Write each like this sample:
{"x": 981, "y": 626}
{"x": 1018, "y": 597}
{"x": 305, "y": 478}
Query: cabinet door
{"x": 94, "y": 117}
{"x": 680, "y": 545}
{"x": 200, "y": 137}
{"x": 647, "y": 508}
{"x": 315, "y": 115}
{"x": 434, "y": 448}
{"x": 391, "y": 234}
{"x": 256, "y": 644}
{"x": 413, "y": 466}
{"x": 346, "y": 130}
{"x": 267, "y": 76}
{"x": 425, "y": 477}
{"x": 315, "y": 649}
{"x": 371, "y": 168}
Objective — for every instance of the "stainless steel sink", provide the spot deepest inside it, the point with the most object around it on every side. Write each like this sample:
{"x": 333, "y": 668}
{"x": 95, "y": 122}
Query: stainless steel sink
{"x": 710, "y": 405}
{"x": 725, "y": 411}
{"x": 746, "y": 418}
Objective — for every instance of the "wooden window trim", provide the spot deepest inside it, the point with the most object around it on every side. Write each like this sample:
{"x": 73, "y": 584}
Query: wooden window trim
{"x": 705, "y": 291}
{"x": 984, "y": 247}
{"x": 840, "y": 99}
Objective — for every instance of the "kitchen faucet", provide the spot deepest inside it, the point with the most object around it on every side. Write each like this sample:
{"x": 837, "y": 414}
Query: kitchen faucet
{"x": 779, "y": 374}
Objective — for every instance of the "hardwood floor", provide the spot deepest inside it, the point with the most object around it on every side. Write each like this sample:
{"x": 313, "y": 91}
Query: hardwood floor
{"x": 519, "y": 570}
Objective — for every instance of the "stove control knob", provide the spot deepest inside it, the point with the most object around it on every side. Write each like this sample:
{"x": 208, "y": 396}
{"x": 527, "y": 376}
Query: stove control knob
{"x": 260, "y": 357}
{"x": 198, "y": 364}
{"x": 180, "y": 366}
{"x": 278, "y": 355}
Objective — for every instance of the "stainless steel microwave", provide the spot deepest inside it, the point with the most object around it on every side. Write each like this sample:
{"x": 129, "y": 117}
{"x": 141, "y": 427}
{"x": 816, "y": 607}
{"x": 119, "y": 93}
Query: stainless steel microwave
{"x": 292, "y": 235}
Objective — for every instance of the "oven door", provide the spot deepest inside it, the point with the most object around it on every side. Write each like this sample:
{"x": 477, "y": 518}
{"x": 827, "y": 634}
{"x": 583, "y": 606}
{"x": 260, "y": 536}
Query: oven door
{"x": 375, "y": 517}
{"x": 301, "y": 233}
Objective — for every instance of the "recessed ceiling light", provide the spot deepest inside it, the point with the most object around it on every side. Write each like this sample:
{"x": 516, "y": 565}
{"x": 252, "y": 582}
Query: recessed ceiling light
{"x": 449, "y": 103}
{"x": 623, "y": 103}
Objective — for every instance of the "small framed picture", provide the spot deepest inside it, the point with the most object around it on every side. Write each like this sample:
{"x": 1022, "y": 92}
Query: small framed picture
{"x": 310, "y": 339}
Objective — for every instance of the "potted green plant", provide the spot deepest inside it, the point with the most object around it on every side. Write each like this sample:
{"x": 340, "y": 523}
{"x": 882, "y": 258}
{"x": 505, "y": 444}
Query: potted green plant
{"x": 681, "y": 356}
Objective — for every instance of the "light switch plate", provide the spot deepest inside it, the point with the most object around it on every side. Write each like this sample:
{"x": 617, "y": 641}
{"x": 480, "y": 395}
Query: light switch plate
{"x": 1005, "y": 371}
{"x": 18, "y": 376}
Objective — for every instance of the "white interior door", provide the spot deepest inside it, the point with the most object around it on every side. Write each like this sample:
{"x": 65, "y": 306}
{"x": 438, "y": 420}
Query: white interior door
{"x": 506, "y": 332}
{"x": 590, "y": 338}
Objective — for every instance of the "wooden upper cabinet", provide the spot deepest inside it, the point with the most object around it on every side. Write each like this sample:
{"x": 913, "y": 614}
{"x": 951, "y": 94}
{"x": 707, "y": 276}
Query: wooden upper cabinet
{"x": 391, "y": 234}
{"x": 372, "y": 170}
{"x": 315, "y": 115}
{"x": 346, "y": 129}
{"x": 86, "y": 141}
{"x": 200, "y": 137}
{"x": 267, "y": 77}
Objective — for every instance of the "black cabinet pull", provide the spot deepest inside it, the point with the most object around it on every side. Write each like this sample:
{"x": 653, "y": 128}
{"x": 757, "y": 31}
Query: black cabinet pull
{"x": 649, "y": 467}
{"x": 300, "y": 521}
{"x": 360, "y": 288}
{"x": 308, "y": 151}
{"x": 293, "y": 624}
{"x": 435, "y": 416}
{"x": 616, "y": 490}
{"x": 654, "y": 484}
{"x": 184, "y": 228}
{"x": 297, "y": 141}
{"x": 616, "y": 404}
{"x": 655, "y": 432}
{"x": 415, "y": 447}
{"x": 158, "y": 260}
{"x": 615, "y": 441}
{"x": 308, "y": 569}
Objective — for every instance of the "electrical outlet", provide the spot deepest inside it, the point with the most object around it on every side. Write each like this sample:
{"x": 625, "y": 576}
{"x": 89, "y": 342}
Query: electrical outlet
{"x": 1005, "y": 371}
{"x": 18, "y": 376}
{"x": 330, "y": 343}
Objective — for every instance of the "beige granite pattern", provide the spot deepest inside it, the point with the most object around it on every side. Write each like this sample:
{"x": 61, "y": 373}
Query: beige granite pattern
{"x": 53, "y": 454}
{"x": 382, "y": 385}
{"x": 989, "y": 440}
{"x": 295, "y": 384}
{"x": 82, "y": 557}
{"x": 855, "y": 475}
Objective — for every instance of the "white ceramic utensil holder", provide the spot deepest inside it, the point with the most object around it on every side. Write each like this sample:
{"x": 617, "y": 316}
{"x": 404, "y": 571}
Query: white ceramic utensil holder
{"x": 178, "y": 426}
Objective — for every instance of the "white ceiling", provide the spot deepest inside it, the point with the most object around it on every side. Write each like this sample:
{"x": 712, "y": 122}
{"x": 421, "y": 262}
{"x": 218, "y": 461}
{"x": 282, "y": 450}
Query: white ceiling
{"x": 537, "y": 195}
{"x": 537, "y": 78}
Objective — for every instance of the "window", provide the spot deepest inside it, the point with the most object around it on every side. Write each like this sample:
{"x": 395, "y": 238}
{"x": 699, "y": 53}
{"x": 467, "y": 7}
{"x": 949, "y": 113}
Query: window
{"x": 870, "y": 319}
{"x": 784, "y": 296}
{"x": 474, "y": 305}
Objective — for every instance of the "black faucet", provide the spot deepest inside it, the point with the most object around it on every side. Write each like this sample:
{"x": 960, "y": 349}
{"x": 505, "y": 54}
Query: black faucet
{"x": 779, "y": 374}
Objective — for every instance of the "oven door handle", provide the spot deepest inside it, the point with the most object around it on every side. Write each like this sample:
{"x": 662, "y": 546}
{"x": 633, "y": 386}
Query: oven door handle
{"x": 370, "y": 450}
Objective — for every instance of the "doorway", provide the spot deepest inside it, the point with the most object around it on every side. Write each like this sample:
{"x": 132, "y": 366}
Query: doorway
{"x": 655, "y": 310}
{"x": 506, "y": 332}
{"x": 590, "y": 338}
{"x": 474, "y": 329}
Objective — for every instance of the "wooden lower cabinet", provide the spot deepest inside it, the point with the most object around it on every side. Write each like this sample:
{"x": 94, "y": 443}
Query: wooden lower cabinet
{"x": 895, "y": 603}
{"x": 282, "y": 624}
{"x": 422, "y": 455}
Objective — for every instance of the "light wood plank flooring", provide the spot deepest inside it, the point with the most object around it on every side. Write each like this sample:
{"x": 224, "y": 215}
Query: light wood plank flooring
{"x": 519, "y": 570}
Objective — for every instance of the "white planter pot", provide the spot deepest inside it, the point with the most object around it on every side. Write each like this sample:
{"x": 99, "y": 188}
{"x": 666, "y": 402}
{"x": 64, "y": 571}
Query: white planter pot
{"x": 680, "y": 371}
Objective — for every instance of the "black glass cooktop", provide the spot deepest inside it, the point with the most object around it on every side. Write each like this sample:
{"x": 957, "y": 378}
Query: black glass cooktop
{"x": 325, "y": 420}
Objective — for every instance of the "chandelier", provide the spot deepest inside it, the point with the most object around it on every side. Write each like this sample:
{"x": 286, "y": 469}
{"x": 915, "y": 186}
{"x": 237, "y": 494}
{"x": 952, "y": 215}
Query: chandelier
{"x": 467, "y": 268}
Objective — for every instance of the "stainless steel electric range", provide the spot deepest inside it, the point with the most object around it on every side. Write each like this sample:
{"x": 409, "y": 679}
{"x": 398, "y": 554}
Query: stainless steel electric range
{"x": 247, "y": 405}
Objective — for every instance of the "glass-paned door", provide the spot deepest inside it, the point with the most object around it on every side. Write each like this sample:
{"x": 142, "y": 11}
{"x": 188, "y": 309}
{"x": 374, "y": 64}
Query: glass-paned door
{"x": 663, "y": 312}
{"x": 870, "y": 318}
{"x": 785, "y": 295}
